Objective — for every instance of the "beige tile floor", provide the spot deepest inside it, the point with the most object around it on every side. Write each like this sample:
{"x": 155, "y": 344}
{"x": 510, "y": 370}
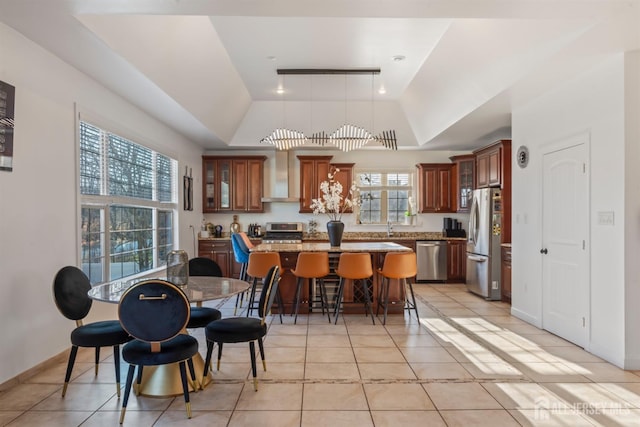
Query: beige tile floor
{"x": 466, "y": 362}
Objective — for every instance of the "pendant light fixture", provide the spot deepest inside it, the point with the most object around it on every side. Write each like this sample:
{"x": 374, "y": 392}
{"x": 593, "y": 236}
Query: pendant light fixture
{"x": 348, "y": 137}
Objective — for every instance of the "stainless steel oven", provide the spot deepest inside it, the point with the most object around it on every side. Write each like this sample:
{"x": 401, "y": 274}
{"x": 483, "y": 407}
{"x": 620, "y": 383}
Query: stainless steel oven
{"x": 283, "y": 232}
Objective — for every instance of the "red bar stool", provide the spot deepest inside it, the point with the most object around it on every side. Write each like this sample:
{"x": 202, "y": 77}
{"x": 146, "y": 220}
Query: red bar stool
{"x": 257, "y": 268}
{"x": 312, "y": 266}
{"x": 399, "y": 266}
{"x": 356, "y": 267}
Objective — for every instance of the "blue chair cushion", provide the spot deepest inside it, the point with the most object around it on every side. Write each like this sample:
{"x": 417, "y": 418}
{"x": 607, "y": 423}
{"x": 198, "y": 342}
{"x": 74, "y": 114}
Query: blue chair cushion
{"x": 99, "y": 334}
{"x": 179, "y": 348}
{"x": 240, "y": 249}
{"x": 235, "y": 329}
{"x": 202, "y": 316}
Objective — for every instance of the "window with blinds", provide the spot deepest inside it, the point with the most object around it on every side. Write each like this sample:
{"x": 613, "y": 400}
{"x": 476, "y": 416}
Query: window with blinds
{"x": 129, "y": 197}
{"x": 384, "y": 196}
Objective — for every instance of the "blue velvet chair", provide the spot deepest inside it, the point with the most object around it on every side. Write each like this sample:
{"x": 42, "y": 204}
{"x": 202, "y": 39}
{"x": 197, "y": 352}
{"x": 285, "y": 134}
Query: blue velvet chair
{"x": 241, "y": 254}
{"x": 245, "y": 329}
{"x": 70, "y": 287}
{"x": 202, "y": 316}
{"x": 155, "y": 313}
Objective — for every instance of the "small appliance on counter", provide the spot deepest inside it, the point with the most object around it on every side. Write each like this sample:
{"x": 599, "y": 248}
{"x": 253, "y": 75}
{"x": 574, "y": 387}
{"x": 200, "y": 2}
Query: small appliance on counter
{"x": 451, "y": 227}
{"x": 255, "y": 230}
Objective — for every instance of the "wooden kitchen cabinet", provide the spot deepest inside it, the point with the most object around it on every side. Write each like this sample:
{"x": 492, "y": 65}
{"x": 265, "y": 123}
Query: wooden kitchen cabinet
{"x": 313, "y": 170}
{"x": 435, "y": 187}
{"x": 464, "y": 178}
{"x": 217, "y": 250}
{"x": 456, "y": 260}
{"x": 493, "y": 169}
{"x": 233, "y": 184}
{"x": 493, "y": 164}
{"x": 506, "y": 273}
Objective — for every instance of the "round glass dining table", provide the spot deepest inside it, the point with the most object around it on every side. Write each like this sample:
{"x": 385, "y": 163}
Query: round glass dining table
{"x": 198, "y": 289}
{"x": 164, "y": 380}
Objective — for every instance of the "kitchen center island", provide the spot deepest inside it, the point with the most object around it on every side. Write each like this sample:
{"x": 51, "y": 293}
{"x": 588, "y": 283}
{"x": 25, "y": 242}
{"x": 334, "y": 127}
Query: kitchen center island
{"x": 353, "y": 296}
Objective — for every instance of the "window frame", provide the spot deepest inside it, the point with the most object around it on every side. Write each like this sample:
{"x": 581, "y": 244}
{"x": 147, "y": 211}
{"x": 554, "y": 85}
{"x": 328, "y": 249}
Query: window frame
{"x": 106, "y": 202}
{"x": 385, "y": 188}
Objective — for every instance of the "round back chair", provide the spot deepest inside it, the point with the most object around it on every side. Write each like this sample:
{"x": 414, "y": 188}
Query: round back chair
{"x": 70, "y": 287}
{"x": 156, "y": 312}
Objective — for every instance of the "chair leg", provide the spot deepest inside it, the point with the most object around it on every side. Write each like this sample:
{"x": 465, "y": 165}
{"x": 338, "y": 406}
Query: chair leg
{"x": 386, "y": 301}
{"x": 339, "y": 301}
{"x": 254, "y": 370}
{"x": 185, "y": 387}
{"x": 127, "y": 390}
{"x": 207, "y": 359}
{"x": 252, "y": 296}
{"x": 280, "y": 304}
{"x": 413, "y": 297}
{"x": 97, "y": 360}
{"x": 116, "y": 361}
{"x": 380, "y": 293}
{"x": 219, "y": 355}
{"x": 139, "y": 380}
{"x": 192, "y": 379}
{"x": 367, "y": 299}
{"x": 324, "y": 298}
{"x": 261, "y": 348}
{"x": 72, "y": 359}
{"x": 297, "y": 298}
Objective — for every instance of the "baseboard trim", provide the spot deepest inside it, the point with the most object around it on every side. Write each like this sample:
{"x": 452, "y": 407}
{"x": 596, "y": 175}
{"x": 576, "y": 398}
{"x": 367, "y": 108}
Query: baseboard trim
{"x": 40, "y": 367}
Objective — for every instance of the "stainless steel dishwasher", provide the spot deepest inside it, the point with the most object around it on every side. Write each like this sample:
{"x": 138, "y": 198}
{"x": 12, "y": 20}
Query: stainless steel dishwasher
{"x": 432, "y": 260}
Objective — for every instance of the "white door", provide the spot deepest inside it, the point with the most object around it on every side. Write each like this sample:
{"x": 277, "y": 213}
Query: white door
{"x": 565, "y": 213}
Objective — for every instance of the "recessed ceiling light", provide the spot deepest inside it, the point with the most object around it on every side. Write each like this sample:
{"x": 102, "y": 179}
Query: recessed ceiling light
{"x": 271, "y": 58}
{"x": 280, "y": 90}
{"x": 398, "y": 58}
{"x": 382, "y": 90}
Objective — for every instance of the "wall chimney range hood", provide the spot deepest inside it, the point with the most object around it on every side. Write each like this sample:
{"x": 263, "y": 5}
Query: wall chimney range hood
{"x": 283, "y": 183}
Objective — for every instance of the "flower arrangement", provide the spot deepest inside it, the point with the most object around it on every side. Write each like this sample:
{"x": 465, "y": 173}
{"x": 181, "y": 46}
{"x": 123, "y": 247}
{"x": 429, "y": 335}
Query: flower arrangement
{"x": 331, "y": 202}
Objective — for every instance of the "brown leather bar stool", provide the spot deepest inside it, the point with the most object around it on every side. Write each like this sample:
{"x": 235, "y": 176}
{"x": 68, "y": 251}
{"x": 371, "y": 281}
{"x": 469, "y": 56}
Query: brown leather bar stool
{"x": 355, "y": 266}
{"x": 401, "y": 267}
{"x": 257, "y": 268}
{"x": 312, "y": 266}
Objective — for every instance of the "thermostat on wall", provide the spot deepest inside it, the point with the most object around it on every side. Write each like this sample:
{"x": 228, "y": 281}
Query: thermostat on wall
{"x": 522, "y": 156}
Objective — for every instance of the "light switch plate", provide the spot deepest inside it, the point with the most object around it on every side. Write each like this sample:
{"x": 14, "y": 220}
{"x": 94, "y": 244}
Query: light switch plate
{"x": 605, "y": 218}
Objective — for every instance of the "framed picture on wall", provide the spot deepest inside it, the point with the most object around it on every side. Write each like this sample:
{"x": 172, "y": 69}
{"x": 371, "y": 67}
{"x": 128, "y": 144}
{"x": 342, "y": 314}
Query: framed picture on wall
{"x": 7, "y": 101}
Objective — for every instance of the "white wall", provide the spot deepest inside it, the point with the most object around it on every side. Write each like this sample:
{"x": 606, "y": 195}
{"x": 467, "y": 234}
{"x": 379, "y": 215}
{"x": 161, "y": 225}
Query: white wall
{"x": 592, "y": 103}
{"x": 38, "y": 203}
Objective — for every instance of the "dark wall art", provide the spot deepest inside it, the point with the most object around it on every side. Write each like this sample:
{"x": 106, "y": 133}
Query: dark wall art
{"x": 7, "y": 101}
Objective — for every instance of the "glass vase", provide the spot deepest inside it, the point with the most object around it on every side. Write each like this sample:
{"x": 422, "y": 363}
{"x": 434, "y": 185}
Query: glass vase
{"x": 178, "y": 267}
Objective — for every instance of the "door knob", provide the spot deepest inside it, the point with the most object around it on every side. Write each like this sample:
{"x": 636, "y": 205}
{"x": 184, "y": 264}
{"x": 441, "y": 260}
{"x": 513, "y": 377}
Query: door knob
{"x": 544, "y": 251}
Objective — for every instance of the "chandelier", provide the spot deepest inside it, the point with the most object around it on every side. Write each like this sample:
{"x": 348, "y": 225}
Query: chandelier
{"x": 347, "y": 137}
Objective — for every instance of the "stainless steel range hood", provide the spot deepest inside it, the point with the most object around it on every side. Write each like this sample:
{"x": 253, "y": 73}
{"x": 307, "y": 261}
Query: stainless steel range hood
{"x": 282, "y": 183}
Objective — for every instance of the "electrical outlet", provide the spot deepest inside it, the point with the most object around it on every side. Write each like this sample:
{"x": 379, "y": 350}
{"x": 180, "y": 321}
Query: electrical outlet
{"x": 494, "y": 284}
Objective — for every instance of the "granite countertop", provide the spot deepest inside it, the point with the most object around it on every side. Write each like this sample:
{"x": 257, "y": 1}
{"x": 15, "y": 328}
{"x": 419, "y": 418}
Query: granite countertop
{"x": 365, "y": 236}
{"x": 325, "y": 247}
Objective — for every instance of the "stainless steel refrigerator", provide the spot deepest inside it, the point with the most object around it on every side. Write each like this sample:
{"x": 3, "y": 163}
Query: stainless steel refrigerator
{"x": 483, "y": 243}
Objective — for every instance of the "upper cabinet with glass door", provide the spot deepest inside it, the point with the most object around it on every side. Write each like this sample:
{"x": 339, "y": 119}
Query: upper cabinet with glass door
{"x": 464, "y": 175}
{"x": 232, "y": 183}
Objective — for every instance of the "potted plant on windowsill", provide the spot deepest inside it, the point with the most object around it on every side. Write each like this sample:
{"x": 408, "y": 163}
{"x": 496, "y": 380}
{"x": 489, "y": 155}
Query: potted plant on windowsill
{"x": 409, "y": 214}
{"x": 333, "y": 204}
